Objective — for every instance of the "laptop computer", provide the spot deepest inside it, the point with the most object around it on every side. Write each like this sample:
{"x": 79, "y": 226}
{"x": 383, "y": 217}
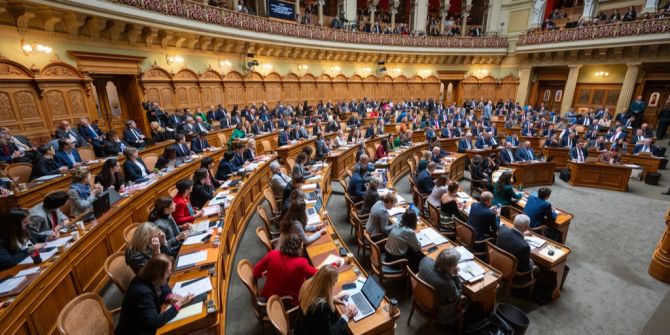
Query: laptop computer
{"x": 368, "y": 299}
{"x": 101, "y": 205}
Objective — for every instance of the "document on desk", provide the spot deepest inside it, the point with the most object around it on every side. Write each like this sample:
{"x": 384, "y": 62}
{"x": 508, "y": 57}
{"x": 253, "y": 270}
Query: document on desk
{"x": 47, "y": 177}
{"x": 211, "y": 210}
{"x": 45, "y": 254}
{"x": 423, "y": 239}
{"x": 191, "y": 259}
{"x": 535, "y": 242}
{"x": 331, "y": 259}
{"x": 471, "y": 272}
{"x": 439, "y": 171}
{"x": 28, "y": 271}
{"x": 463, "y": 196}
{"x": 195, "y": 287}
{"x": 200, "y": 226}
{"x": 435, "y": 237}
{"x": 218, "y": 200}
{"x": 11, "y": 284}
{"x": 466, "y": 255}
{"x": 194, "y": 239}
{"x": 396, "y": 210}
{"x": 314, "y": 179}
{"x": 308, "y": 187}
{"x": 188, "y": 311}
{"x": 57, "y": 242}
{"x": 314, "y": 219}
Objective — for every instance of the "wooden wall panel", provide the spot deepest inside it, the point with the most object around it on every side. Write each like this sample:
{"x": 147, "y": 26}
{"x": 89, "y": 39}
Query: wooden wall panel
{"x": 308, "y": 89}
{"x": 596, "y": 95}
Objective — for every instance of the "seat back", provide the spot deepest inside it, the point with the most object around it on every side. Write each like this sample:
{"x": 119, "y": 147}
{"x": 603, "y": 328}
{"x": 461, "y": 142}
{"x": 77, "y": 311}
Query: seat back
{"x": 172, "y": 191}
{"x": 423, "y": 294}
{"x": 246, "y": 273}
{"x": 375, "y": 255}
{"x": 434, "y": 216}
{"x": 150, "y": 161}
{"x": 371, "y": 153}
{"x": 465, "y": 234}
{"x": 263, "y": 214}
{"x": 19, "y": 172}
{"x": 86, "y": 154}
{"x": 85, "y": 314}
{"x": 350, "y": 173}
{"x": 264, "y": 237}
{"x": 223, "y": 140}
{"x": 290, "y": 162}
{"x": 343, "y": 183}
{"x": 277, "y": 315}
{"x": 270, "y": 197}
{"x": 129, "y": 231}
{"x": 502, "y": 261}
{"x": 418, "y": 197}
{"x": 266, "y": 146}
{"x": 412, "y": 167}
{"x": 118, "y": 271}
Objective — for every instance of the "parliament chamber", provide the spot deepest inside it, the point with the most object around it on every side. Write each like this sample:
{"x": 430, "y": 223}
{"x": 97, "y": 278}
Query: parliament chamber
{"x": 336, "y": 167}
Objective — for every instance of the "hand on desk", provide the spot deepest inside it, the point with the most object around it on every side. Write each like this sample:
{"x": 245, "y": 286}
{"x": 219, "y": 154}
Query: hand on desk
{"x": 183, "y": 235}
{"x": 181, "y": 301}
{"x": 198, "y": 214}
{"x": 350, "y": 311}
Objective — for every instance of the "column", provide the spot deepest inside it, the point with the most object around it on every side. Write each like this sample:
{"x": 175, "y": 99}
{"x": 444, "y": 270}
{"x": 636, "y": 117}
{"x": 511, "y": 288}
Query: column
{"x": 320, "y": 4}
{"x": 569, "y": 90}
{"x": 444, "y": 11}
{"x": 418, "y": 14}
{"x": 660, "y": 260}
{"x": 235, "y": 4}
{"x": 589, "y": 10}
{"x": 296, "y": 9}
{"x": 493, "y": 17}
{"x": 372, "y": 7}
{"x": 349, "y": 8}
{"x": 650, "y": 6}
{"x": 628, "y": 87}
{"x": 524, "y": 84}
{"x": 464, "y": 16}
{"x": 394, "y": 10}
{"x": 538, "y": 14}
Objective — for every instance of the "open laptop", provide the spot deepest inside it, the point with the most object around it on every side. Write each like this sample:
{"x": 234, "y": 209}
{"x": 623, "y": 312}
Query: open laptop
{"x": 104, "y": 202}
{"x": 368, "y": 299}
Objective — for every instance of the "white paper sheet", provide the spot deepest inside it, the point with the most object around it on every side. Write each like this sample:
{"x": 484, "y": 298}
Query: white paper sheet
{"x": 11, "y": 284}
{"x": 57, "y": 242}
{"x": 201, "y": 286}
{"x": 466, "y": 255}
{"x": 45, "y": 257}
{"x": 396, "y": 210}
{"x": 188, "y": 311}
{"x": 470, "y": 271}
{"x": 191, "y": 240}
{"x": 47, "y": 177}
{"x": 307, "y": 187}
{"x": 200, "y": 226}
{"x": 434, "y": 236}
{"x": 330, "y": 260}
{"x": 211, "y": 210}
{"x": 28, "y": 271}
{"x": 192, "y": 259}
{"x": 535, "y": 242}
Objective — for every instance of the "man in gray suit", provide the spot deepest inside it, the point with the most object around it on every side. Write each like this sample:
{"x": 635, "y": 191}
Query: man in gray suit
{"x": 47, "y": 218}
{"x": 442, "y": 275}
{"x": 378, "y": 221}
{"x": 279, "y": 180}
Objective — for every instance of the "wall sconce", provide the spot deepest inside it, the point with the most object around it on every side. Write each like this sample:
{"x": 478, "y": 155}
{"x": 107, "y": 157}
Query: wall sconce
{"x": 602, "y": 74}
{"x": 225, "y": 63}
{"x": 303, "y": 67}
{"x": 174, "y": 59}
{"x": 481, "y": 73}
{"x": 335, "y": 69}
{"x": 365, "y": 71}
{"x": 396, "y": 71}
{"x": 29, "y": 48}
{"x": 267, "y": 68}
{"x": 425, "y": 73}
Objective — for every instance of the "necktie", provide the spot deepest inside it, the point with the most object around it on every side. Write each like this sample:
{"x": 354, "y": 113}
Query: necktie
{"x": 645, "y": 149}
{"x": 202, "y": 144}
{"x": 580, "y": 157}
{"x": 530, "y": 157}
{"x": 135, "y": 133}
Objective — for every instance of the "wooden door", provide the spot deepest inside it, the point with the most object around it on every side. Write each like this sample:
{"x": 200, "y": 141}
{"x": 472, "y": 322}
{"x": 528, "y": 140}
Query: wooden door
{"x": 550, "y": 94}
{"x": 112, "y": 93}
{"x": 655, "y": 95}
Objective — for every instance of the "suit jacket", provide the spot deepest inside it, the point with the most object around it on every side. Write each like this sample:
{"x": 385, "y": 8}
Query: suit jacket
{"x": 356, "y": 187}
{"x": 224, "y": 170}
{"x": 506, "y": 156}
{"x": 198, "y": 145}
{"x": 523, "y": 154}
{"x": 141, "y": 309}
{"x": 463, "y": 145}
{"x": 44, "y": 167}
{"x": 248, "y": 155}
{"x": 60, "y": 133}
{"x": 182, "y": 214}
{"x": 201, "y": 194}
{"x": 132, "y": 171}
{"x": 321, "y": 149}
{"x": 514, "y": 141}
{"x": 90, "y": 135}
{"x": 574, "y": 154}
{"x": 282, "y": 139}
{"x": 182, "y": 149}
{"x": 512, "y": 241}
{"x": 483, "y": 220}
{"x": 131, "y": 138}
{"x": 42, "y": 223}
{"x": 61, "y": 158}
{"x": 539, "y": 211}
{"x": 424, "y": 182}
{"x": 638, "y": 148}
{"x": 237, "y": 162}
{"x": 113, "y": 148}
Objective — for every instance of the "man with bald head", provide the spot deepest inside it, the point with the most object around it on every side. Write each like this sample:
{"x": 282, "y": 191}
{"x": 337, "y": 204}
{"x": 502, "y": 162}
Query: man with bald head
{"x": 64, "y": 130}
{"x": 512, "y": 241}
{"x": 484, "y": 218}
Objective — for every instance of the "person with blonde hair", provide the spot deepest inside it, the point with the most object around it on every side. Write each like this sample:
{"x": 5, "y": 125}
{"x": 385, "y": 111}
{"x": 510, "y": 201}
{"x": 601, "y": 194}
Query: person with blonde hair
{"x": 148, "y": 240}
{"x": 317, "y": 313}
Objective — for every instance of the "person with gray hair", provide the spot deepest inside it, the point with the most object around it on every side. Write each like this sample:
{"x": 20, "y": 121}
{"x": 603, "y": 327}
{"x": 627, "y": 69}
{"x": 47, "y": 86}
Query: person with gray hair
{"x": 442, "y": 274}
{"x": 279, "y": 180}
{"x": 512, "y": 240}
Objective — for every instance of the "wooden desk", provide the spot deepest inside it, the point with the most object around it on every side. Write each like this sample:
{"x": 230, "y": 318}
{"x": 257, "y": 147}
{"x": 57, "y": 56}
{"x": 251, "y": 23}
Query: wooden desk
{"x": 450, "y": 144}
{"x": 482, "y": 152}
{"x": 552, "y": 267}
{"x": 563, "y": 218}
{"x": 558, "y": 156}
{"x": 597, "y": 175}
{"x": 292, "y": 150}
{"x": 397, "y": 163}
{"x": 454, "y": 167}
{"x": 648, "y": 163}
{"x": 342, "y": 159}
{"x": 533, "y": 173}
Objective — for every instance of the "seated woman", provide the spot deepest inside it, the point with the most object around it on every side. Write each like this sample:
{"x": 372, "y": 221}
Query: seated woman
{"x": 450, "y": 208}
{"x": 426, "y": 157}
{"x": 340, "y": 139}
{"x": 143, "y": 302}
{"x": 382, "y": 149}
{"x": 15, "y": 244}
{"x": 295, "y": 222}
{"x": 250, "y": 152}
{"x": 160, "y": 134}
{"x": 503, "y": 191}
{"x": 442, "y": 274}
{"x": 299, "y": 166}
{"x": 206, "y": 163}
{"x": 184, "y": 212}
{"x": 317, "y": 313}
{"x": 285, "y": 270}
{"x": 147, "y": 241}
{"x": 402, "y": 242}
{"x": 203, "y": 190}
{"x": 438, "y": 191}
{"x": 371, "y": 196}
{"x": 168, "y": 159}
{"x": 46, "y": 165}
{"x": 81, "y": 194}
{"x": 238, "y": 132}
{"x": 134, "y": 168}
{"x": 296, "y": 183}
{"x": 161, "y": 216}
{"x": 110, "y": 176}
{"x": 46, "y": 218}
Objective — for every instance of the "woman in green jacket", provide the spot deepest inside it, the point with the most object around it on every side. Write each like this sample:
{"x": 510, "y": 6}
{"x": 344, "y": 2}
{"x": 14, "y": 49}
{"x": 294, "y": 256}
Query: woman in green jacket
{"x": 503, "y": 192}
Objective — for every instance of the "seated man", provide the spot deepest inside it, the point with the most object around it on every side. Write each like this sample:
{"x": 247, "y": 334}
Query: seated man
{"x": 46, "y": 165}
{"x": 92, "y": 134}
{"x": 356, "y": 188}
{"x": 643, "y": 147}
{"x": 482, "y": 218}
{"x": 525, "y": 153}
{"x": 579, "y": 152}
{"x": 279, "y": 180}
{"x": 465, "y": 144}
{"x": 424, "y": 181}
{"x": 512, "y": 241}
{"x": 283, "y": 137}
{"x": 322, "y": 148}
{"x": 442, "y": 274}
{"x": 199, "y": 144}
{"x": 507, "y": 154}
{"x": 65, "y": 131}
{"x": 238, "y": 161}
{"x": 46, "y": 218}
{"x": 538, "y": 209}
{"x": 67, "y": 155}
{"x": 181, "y": 147}
{"x": 378, "y": 220}
{"x": 133, "y": 136}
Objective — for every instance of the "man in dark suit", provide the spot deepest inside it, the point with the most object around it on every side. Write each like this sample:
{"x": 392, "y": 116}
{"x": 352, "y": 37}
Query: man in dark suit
{"x": 512, "y": 241}
{"x": 67, "y": 155}
{"x": 465, "y": 143}
{"x": 482, "y": 218}
{"x": 199, "y": 144}
{"x": 507, "y": 154}
{"x": 65, "y": 131}
{"x": 176, "y": 120}
{"x": 217, "y": 114}
{"x": 181, "y": 147}
{"x": 238, "y": 157}
{"x": 424, "y": 181}
{"x": 133, "y": 136}
{"x": 356, "y": 187}
{"x": 283, "y": 137}
{"x": 322, "y": 148}
{"x": 525, "y": 153}
{"x": 579, "y": 153}
{"x": 538, "y": 209}
{"x": 644, "y": 146}
{"x": 269, "y": 125}
{"x": 93, "y": 135}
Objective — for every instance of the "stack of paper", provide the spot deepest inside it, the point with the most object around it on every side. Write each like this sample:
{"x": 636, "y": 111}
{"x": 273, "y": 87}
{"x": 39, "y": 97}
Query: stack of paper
{"x": 194, "y": 239}
{"x": 396, "y": 210}
{"x": 314, "y": 179}
{"x": 58, "y": 242}
{"x": 211, "y": 210}
{"x": 28, "y": 271}
{"x": 435, "y": 237}
{"x": 463, "y": 195}
{"x": 535, "y": 242}
{"x": 423, "y": 239}
{"x": 466, "y": 255}
{"x": 46, "y": 178}
{"x": 191, "y": 259}
{"x": 200, "y": 286}
{"x": 307, "y": 187}
{"x": 11, "y": 284}
{"x": 331, "y": 259}
{"x": 45, "y": 254}
{"x": 199, "y": 226}
{"x": 188, "y": 312}
{"x": 313, "y": 219}
{"x": 471, "y": 272}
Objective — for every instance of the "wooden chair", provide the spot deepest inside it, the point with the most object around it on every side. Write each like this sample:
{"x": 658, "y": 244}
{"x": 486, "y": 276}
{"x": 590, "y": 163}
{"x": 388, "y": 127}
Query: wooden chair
{"x": 270, "y": 223}
{"x": 435, "y": 220}
{"x": 129, "y": 231}
{"x": 264, "y": 236}
{"x": 118, "y": 271}
{"x": 466, "y": 236}
{"x": 477, "y": 186}
{"x": 279, "y": 317}
{"x": 272, "y": 201}
{"x": 172, "y": 191}
{"x": 150, "y": 161}
{"x": 246, "y": 273}
{"x": 344, "y": 184}
{"x": 266, "y": 145}
{"x": 412, "y": 168}
{"x": 86, "y": 154}
{"x": 350, "y": 173}
{"x": 424, "y": 300}
{"x": 507, "y": 264}
{"x": 19, "y": 172}
{"x": 419, "y": 199}
{"x": 85, "y": 314}
{"x": 290, "y": 162}
{"x": 371, "y": 153}
{"x": 223, "y": 140}
{"x": 384, "y": 270}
